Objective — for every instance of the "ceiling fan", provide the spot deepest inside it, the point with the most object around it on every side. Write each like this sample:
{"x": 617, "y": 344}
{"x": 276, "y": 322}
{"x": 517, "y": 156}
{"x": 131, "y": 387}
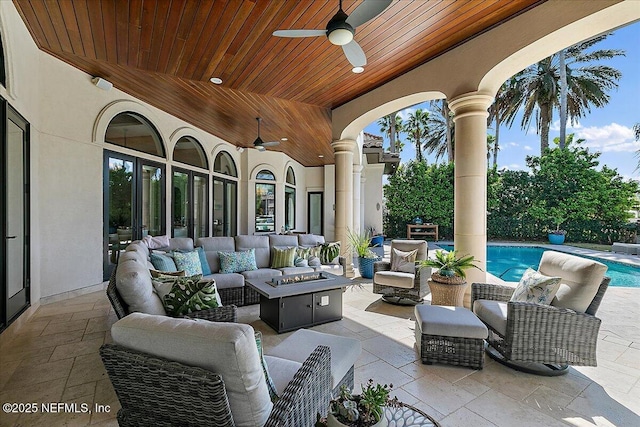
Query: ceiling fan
{"x": 259, "y": 144}
{"x": 342, "y": 27}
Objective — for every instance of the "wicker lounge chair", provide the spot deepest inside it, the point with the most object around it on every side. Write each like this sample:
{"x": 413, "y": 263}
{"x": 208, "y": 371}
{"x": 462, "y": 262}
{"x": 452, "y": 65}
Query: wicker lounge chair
{"x": 402, "y": 287}
{"x": 155, "y": 391}
{"x": 544, "y": 339}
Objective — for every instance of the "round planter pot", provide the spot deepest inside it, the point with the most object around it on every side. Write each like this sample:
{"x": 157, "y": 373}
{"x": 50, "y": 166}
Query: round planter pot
{"x": 333, "y": 422}
{"x": 556, "y": 239}
{"x": 449, "y": 294}
{"x": 365, "y": 266}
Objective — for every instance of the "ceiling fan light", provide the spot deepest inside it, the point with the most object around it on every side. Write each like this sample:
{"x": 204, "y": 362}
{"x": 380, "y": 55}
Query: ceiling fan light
{"x": 340, "y": 36}
{"x": 357, "y": 70}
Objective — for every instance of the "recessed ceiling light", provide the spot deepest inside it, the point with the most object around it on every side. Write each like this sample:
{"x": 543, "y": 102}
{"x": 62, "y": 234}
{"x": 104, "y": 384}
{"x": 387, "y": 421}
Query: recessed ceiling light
{"x": 284, "y": 139}
{"x": 357, "y": 70}
{"x": 216, "y": 80}
{"x": 320, "y": 155}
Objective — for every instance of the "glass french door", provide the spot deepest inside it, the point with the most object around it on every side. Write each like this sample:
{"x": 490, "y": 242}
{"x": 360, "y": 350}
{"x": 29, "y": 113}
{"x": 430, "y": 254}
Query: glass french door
{"x": 134, "y": 200}
{"x": 14, "y": 211}
{"x": 190, "y": 211}
{"x": 225, "y": 202}
{"x": 315, "y": 213}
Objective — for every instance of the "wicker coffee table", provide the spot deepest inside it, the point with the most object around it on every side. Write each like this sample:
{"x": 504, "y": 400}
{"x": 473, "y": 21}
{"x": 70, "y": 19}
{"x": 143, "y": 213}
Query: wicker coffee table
{"x": 408, "y": 416}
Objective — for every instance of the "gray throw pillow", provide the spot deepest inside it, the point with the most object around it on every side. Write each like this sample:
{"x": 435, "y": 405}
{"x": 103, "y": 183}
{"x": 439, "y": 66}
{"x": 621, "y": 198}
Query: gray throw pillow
{"x": 404, "y": 262}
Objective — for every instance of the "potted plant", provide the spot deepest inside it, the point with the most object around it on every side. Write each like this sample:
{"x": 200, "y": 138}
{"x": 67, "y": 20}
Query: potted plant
{"x": 448, "y": 282}
{"x": 359, "y": 244}
{"x": 556, "y": 237}
{"x": 362, "y": 410}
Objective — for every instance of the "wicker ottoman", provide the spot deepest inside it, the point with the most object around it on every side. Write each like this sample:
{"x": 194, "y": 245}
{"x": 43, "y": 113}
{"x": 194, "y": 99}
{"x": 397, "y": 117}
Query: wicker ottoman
{"x": 452, "y": 335}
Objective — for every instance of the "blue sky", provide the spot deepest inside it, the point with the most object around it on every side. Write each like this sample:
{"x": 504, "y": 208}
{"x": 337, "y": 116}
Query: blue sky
{"x": 607, "y": 130}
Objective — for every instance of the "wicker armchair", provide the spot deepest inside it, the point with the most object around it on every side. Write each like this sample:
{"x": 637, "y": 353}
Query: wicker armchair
{"x": 539, "y": 339}
{"x": 157, "y": 392}
{"x": 227, "y": 313}
{"x": 399, "y": 287}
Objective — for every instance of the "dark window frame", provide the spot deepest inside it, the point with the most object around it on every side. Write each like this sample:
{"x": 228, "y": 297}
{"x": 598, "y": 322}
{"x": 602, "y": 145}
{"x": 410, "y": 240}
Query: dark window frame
{"x": 198, "y": 147}
{"x": 148, "y": 123}
{"x": 191, "y": 206}
{"x": 233, "y": 163}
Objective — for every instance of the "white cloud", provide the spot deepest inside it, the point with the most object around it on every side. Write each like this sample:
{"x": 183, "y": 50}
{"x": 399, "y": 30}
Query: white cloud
{"x": 514, "y": 144}
{"x": 527, "y": 148}
{"x": 512, "y": 167}
{"x": 612, "y": 137}
{"x": 555, "y": 126}
{"x": 404, "y": 114}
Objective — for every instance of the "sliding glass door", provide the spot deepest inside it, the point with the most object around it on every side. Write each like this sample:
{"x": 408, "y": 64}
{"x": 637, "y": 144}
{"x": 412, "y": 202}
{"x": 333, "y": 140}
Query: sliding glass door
{"x": 14, "y": 211}
{"x": 225, "y": 202}
{"x": 134, "y": 200}
{"x": 190, "y": 211}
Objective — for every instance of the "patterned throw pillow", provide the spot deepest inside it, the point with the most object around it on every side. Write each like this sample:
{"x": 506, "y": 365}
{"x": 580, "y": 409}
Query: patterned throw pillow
{"x": 188, "y": 261}
{"x": 301, "y": 262}
{"x": 162, "y": 262}
{"x": 314, "y": 261}
{"x": 206, "y": 269}
{"x": 282, "y": 257}
{"x": 162, "y": 285}
{"x": 187, "y": 296}
{"x": 329, "y": 253}
{"x": 303, "y": 253}
{"x": 273, "y": 393}
{"x": 536, "y": 287}
{"x": 404, "y": 262}
{"x": 236, "y": 262}
{"x": 164, "y": 274}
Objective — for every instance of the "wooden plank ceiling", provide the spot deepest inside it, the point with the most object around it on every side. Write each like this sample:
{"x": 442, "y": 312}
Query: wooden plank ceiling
{"x": 165, "y": 51}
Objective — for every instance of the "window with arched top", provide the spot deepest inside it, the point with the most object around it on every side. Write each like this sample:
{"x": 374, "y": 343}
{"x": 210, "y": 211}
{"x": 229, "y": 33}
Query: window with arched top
{"x": 265, "y": 175}
{"x": 3, "y": 73}
{"x": 225, "y": 196}
{"x": 290, "y": 200}
{"x": 225, "y": 165}
{"x": 189, "y": 151}
{"x": 291, "y": 177}
{"x": 265, "y": 202}
{"x": 131, "y": 130}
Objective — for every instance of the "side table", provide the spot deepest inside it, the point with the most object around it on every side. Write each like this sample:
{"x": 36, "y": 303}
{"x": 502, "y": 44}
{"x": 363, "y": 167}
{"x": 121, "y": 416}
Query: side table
{"x": 408, "y": 416}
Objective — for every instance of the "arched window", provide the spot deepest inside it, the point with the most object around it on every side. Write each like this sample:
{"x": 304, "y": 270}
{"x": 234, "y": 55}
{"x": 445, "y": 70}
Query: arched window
{"x": 225, "y": 196}
{"x": 265, "y": 175}
{"x": 290, "y": 200}
{"x": 291, "y": 177}
{"x": 131, "y": 130}
{"x": 3, "y": 73}
{"x": 225, "y": 165}
{"x": 265, "y": 202}
{"x": 188, "y": 150}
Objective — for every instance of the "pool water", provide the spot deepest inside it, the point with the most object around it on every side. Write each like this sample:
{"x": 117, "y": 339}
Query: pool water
{"x": 510, "y": 262}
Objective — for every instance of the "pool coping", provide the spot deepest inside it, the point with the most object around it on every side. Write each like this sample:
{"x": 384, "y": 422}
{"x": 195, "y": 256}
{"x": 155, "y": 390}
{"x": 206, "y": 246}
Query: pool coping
{"x": 633, "y": 260}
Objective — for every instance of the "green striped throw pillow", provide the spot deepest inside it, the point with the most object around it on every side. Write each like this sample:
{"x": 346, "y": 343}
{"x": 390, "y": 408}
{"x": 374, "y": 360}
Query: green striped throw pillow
{"x": 283, "y": 257}
{"x": 329, "y": 253}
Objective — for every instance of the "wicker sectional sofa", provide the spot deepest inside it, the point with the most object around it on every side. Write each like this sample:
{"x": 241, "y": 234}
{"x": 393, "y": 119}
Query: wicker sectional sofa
{"x": 130, "y": 285}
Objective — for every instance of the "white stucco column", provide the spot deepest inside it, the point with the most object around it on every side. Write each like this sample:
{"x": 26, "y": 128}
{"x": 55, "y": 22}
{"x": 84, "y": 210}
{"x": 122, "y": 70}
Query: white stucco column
{"x": 343, "y": 150}
{"x": 363, "y": 195}
{"x": 357, "y": 195}
{"x": 470, "y": 182}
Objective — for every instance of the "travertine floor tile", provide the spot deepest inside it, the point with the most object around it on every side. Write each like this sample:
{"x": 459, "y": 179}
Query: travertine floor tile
{"x": 443, "y": 396}
{"x": 87, "y": 368}
{"x": 595, "y": 403}
{"x": 390, "y": 351}
{"x": 76, "y": 349}
{"x": 381, "y": 372}
{"x": 464, "y": 417}
{"x": 71, "y": 325}
{"x": 27, "y": 376}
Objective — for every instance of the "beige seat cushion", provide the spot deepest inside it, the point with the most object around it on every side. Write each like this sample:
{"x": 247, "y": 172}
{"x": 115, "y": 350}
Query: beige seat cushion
{"x": 493, "y": 313}
{"x": 449, "y": 322}
{"x": 299, "y": 346}
{"x": 228, "y": 349}
{"x": 281, "y": 371}
{"x": 396, "y": 279}
{"x": 581, "y": 278}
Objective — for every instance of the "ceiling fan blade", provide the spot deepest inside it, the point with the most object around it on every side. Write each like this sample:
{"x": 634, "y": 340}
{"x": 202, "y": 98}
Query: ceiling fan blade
{"x": 260, "y": 148}
{"x": 367, "y": 10}
{"x": 270, "y": 143}
{"x": 300, "y": 33}
{"x": 355, "y": 54}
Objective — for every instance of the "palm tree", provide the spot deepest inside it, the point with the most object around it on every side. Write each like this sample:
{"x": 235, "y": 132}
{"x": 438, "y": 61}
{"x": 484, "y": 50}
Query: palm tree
{"x": 492, "y": 148}
{"x": 587, "y": 85}
{"x": 416, "y": 130}
{"x": 440, "y": 137}
{"x": 503, "y": 110}
{"x": 636, "y": 131}
{"x": 392, "y": 131}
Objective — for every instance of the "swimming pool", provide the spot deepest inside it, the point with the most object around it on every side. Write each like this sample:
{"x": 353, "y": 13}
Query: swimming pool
{"x": 510, "y": 262}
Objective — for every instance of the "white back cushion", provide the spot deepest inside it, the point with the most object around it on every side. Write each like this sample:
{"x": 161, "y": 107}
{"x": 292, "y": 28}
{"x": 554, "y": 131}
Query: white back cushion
{"x": 581, "y": 278}
{"x": 133, "y": 281}
{"x": 228, "y": 349}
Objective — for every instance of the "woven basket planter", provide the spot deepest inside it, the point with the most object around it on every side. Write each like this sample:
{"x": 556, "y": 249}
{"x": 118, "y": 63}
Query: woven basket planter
{"x": 450, "y": 291}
